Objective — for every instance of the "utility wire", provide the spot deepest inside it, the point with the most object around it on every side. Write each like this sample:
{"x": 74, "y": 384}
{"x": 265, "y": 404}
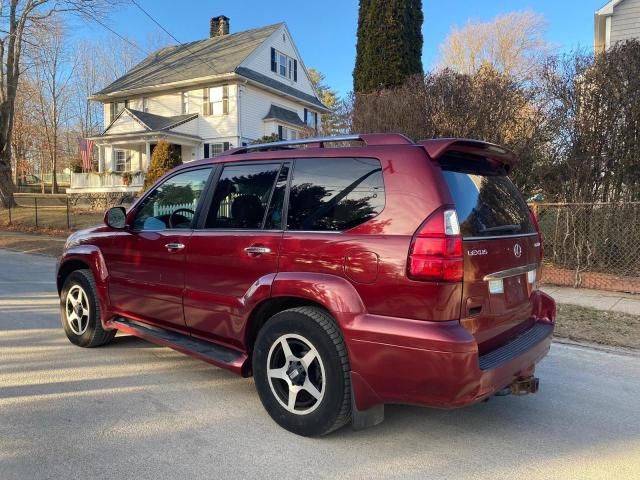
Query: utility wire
{"x": 185, "y": 45}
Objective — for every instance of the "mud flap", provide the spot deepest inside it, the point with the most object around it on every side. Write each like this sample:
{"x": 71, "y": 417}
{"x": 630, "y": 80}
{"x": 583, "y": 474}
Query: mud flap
{"x": 361, "y": 419}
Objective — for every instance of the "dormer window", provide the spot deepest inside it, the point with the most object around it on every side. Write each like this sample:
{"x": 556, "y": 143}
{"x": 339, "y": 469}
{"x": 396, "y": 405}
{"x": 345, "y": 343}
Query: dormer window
{"x": 284, "y": 65}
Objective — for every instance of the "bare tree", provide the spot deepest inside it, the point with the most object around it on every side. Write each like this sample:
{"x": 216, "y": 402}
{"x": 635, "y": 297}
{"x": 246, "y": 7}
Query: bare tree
{"x": 19, "y": 20}
{"x": 512, "y": 44}
{"x": 53, "y": 71}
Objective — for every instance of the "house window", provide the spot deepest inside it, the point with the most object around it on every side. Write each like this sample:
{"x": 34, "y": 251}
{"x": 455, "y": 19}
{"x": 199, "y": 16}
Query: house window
{"x": 115, "y": 108}
{"x": 287, "y": 133}
{"x": 284, "y": 65}
{"x": 185, "y": 102}
{"x": 215, "y": 149}
{"x": 311, "y": 119}
{"x": 145, "y": 104}
{"x": 216, "y": 100}
{"x": 122, "y": 161}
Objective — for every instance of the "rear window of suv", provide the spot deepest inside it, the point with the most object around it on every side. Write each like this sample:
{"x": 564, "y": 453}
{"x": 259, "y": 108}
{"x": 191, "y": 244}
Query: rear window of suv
{"x": 334, "y": 194}
{"x": 488, "y": 205}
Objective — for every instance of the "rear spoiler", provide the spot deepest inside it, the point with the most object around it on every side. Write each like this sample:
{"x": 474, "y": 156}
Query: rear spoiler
{"x": 465, "y": 150}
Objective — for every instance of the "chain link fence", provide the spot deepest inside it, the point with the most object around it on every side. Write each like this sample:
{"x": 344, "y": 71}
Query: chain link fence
{"x": 53, "y": 212}
{"x": 591, "y": 245}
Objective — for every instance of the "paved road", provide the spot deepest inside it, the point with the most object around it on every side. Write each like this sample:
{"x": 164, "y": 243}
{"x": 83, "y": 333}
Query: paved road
{"x": 133, "y": 410}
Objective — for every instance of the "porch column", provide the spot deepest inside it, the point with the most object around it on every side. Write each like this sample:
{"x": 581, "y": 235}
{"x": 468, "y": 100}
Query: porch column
{"x": 147, "y": 159}
{"x": 100, "y": 159}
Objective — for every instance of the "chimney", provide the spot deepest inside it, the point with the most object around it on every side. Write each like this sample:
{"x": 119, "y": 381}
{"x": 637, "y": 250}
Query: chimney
{"x": 219, "y": 26}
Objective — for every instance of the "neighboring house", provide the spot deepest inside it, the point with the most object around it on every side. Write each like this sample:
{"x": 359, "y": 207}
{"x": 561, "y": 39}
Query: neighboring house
{"x": 617, "y": 21}
{"x": 203, "y": 97}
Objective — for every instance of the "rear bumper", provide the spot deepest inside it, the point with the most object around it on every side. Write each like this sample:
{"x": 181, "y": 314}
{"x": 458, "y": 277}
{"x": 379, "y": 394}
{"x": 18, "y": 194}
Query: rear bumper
{"x": 437, "y": 363}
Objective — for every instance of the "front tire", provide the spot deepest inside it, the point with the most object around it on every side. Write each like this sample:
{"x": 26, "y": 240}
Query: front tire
{"x": 301, "y": 371}
{"x": 80, "y": 311}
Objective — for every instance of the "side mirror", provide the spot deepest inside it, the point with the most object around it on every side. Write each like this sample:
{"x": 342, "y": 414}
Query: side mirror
{"x": 116, "y": 217}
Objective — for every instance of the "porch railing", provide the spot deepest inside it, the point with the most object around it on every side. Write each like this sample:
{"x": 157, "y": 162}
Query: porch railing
{"x": 100, "y": 180}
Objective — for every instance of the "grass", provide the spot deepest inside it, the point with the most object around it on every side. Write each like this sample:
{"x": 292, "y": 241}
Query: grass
{"x": 584, "y": 324}
{"x": 51, "y": 219}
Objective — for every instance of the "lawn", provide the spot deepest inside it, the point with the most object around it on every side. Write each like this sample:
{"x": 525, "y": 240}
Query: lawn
{"x": 597, "y": 326}
{"x": 50, "y": 218}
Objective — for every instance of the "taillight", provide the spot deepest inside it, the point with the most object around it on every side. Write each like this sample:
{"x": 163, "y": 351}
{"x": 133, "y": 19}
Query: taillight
{"x": 436, "y": 249}
{"x": 534, "y": 220}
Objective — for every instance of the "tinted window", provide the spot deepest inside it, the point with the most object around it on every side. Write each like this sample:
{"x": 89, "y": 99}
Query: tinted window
{"x": 274, "y": 215}
{"x": 241, "y": 196}
{"x": 334, "y": 193}
{"x": 488, "y": 206}
{"x": 173, "y": 203}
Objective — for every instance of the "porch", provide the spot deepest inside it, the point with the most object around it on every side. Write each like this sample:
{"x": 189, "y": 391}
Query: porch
{"x": 122, "y": 163}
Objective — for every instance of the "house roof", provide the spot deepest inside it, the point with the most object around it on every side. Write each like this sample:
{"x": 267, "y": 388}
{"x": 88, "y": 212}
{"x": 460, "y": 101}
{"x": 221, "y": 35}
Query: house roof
{"x": 284, "y": 115}
{"x": 281, "y": 87}
{"x": 152, "y": 122}
{"x": 158, "y": 122}
{"x": 608, "y": 8}
{"x": 202, "y": 58}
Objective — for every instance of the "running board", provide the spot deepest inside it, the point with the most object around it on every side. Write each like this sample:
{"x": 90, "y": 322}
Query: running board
{"x": 213, "y": 353}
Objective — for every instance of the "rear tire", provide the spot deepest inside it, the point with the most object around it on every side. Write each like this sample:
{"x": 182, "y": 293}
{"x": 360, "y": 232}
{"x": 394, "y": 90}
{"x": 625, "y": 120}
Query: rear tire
{"x": 301, "y": 371}
{"x": 80, "y": 311}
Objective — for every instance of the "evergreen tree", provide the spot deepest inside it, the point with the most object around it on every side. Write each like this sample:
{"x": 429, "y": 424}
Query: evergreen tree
{"x": 163, "y": 159}
{"x": 389, "y": 47}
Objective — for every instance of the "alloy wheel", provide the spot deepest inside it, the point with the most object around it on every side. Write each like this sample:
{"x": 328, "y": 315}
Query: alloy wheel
{"x": 296, "y": 374}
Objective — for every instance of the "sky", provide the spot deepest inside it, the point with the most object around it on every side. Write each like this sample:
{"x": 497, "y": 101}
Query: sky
{"x": 325, "y": 31}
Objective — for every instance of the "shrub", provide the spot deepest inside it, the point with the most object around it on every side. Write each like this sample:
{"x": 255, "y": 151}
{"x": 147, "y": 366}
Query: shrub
{"x": 163, "y": 159}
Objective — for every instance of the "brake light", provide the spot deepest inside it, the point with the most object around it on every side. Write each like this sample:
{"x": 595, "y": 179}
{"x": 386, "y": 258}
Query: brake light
{"x": 436, "y": 249}
{"x": 534, "y": 220}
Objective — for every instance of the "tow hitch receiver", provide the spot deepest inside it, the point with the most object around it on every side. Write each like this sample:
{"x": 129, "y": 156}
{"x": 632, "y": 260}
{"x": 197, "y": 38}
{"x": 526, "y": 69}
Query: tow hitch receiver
{"x": 523, "y": 386}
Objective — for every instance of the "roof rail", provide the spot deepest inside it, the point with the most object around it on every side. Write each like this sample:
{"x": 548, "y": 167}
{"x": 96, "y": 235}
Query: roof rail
{"x": 369, "y": 139}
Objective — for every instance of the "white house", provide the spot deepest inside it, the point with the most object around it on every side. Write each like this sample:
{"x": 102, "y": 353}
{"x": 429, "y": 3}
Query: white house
{"x": 617, "y": 21}
{"x": 203, "y": 97}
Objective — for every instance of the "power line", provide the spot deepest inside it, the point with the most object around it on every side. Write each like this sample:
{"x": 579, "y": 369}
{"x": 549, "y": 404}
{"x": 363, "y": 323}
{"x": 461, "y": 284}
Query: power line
{"x": 185, "y": 45}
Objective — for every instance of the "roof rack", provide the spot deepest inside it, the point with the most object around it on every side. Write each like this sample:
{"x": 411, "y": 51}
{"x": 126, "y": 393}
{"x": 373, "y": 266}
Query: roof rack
{"x": 369, "y": 139}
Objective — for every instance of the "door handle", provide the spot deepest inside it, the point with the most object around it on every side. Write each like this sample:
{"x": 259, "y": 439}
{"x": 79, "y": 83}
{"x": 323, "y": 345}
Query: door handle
{"x": 254, "y": 249}
{"x": 172, "y": 247}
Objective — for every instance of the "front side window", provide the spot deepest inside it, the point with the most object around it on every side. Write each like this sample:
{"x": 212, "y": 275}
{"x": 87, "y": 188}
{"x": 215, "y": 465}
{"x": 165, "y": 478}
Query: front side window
{"x": 242, "y": 195}
{"x": 173, "y": 204}
{"x": 334, "y": 194}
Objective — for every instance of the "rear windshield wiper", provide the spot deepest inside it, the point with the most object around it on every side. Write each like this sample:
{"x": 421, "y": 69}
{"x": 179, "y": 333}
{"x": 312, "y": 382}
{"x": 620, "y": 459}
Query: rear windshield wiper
{"x": 502, "y": 228}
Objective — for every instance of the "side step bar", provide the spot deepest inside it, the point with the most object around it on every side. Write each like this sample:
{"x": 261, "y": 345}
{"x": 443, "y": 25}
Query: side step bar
{"x": 215, "y": 354}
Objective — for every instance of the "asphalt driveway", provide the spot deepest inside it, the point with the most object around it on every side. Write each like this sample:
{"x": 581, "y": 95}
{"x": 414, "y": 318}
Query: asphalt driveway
{"x": 134, "y": 410}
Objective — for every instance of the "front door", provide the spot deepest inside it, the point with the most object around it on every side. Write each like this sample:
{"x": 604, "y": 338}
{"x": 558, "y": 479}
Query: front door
{"x": 146, "y": 261}
{"x": 238, "y": 246}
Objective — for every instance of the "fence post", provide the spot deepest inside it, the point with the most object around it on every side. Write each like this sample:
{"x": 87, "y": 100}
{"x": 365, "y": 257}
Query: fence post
{"x": 35, "y": 202}
{"x": 68, "y": 221}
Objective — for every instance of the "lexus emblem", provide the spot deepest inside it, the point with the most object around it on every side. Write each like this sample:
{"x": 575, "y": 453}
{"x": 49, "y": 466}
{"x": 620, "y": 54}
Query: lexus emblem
{"x": 517, "y": 250}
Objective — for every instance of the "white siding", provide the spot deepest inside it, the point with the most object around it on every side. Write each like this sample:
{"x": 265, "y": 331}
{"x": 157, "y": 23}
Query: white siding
{"x": 260, "y": 60}
{"x": 190, "y": 128}
{"x": 625, "y": 22}
{"x": 254, "y": 106}
{"x": 214, "y": 126}
{"x": 125, "y": 124}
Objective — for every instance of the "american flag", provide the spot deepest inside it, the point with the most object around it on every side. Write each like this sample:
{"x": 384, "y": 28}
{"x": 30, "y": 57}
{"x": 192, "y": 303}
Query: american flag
{"x": 86, "y": 147}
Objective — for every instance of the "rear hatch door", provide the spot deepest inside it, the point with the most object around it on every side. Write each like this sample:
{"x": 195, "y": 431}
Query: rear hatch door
{"x": 501, "y": 250}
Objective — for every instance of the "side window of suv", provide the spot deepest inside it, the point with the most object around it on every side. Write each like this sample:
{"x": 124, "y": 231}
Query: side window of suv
{"x": 334, "y": 194}
{"x": 173, "y": 204}
{"x": 242, "y": 195}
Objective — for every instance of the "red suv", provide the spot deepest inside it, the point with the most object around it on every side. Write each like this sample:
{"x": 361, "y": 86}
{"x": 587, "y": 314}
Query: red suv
{"x": 384, "y": 271}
